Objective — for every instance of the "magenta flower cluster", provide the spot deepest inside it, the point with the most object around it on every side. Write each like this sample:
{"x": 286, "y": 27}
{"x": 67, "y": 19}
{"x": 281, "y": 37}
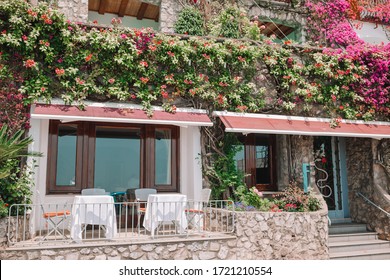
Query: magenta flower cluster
{"x": 330, "y": 24}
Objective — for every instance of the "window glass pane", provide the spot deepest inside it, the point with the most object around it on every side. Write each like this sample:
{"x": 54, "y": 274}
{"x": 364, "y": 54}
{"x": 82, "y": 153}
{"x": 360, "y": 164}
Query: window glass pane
{"x": 163, "y": 156}
{"x": 117, "y": 158}
{"x": 66, "y": 155}
{"x": 263, "y": 172}
{"x": 239, "y": 157}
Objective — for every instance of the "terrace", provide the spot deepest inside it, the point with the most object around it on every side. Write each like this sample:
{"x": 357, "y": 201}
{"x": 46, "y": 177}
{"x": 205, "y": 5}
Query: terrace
{"x": 88, "y": 223}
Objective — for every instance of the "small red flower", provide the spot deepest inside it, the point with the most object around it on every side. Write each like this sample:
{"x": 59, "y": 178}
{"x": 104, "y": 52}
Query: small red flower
{"x": 241, "y": 59}
{"x": 144, "y": 80}
{"x": 323, "y": 160}
{"x": 60, "y": 72}
{"x": 206, "y": 56}
{"x": 29, "y": 63}
{"x": 111, "y": 81}
{"x": 152, "y": 48}
{"x": 88, "y": 57}
{"x": 171, "y": 54}
{"x": 143, "y": 63}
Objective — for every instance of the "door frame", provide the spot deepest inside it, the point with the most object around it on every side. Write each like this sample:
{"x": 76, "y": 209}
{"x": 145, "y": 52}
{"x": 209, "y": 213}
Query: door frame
{"x": 339, "y": 152}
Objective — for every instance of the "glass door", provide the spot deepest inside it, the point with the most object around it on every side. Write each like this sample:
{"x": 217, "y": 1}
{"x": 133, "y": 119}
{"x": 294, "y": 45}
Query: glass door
{"x": 330, "y": 174}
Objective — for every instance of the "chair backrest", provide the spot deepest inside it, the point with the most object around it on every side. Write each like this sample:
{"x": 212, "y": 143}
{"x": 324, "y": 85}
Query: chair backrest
{"x": 205, "y": 195}
{"x": 142, "y": 194}
{"x": 93, "y": 191}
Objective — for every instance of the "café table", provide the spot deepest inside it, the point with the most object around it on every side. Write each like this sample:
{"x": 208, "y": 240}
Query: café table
{"x": 93, "y": 210}
{"x": 165, "y": 208}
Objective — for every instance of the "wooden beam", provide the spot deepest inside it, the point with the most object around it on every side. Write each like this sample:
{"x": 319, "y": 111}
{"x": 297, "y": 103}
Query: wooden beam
{"x": 103, "y": 6}
{"x": 157, "y": 18}
{"x": 142, "y": 10}
{"x": 122, "y": 8}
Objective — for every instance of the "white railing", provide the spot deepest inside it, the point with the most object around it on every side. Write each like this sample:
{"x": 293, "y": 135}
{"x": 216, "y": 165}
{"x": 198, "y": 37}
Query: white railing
{"x": 32, "y": 224}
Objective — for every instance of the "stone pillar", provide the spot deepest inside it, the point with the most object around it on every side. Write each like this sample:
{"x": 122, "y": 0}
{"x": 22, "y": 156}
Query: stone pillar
{"x": 283, "y": 161}
{"x": 301, "y": 152}
{"x": 360, "y": 175}
{"x": 74, "y": 10}
{"x": 169, "y": 10}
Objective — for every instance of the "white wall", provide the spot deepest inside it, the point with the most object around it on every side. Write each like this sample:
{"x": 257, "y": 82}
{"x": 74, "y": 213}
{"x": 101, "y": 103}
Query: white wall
{"x": 371, "y": 33}
{"x": 126, "y": 21}
{"x": 190, "y": 169}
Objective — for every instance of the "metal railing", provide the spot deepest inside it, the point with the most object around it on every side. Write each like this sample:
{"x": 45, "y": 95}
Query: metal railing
{"x": 32, "y": 224}
{"x": 372, "y": 203}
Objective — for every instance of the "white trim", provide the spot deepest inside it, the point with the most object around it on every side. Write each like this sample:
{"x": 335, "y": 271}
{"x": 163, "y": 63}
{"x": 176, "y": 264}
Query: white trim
{"x": 297, "y": 118}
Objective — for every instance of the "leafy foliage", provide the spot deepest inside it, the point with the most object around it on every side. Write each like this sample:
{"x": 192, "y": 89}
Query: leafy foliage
{"x": 293, "y": 199}
{"x": 224, "y": 171}
{"x": 252, "y": 198}
{"x": 12, "y": 147}
{"x": 190, "y": 21}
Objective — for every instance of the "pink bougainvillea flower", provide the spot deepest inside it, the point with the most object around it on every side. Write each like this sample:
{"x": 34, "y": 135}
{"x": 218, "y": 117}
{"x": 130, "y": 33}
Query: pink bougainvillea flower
{"x": 111, "y": 81}
{"x": 29, "y": 63}
{"x": 143, "y": 63}
{"x": 60, "y": 72}
{"x": 144, "y": 80}
{"x": 152, "y": 48}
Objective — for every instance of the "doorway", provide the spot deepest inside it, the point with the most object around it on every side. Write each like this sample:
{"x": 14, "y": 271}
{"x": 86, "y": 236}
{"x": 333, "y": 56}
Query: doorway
{"x": 331, "y": 174}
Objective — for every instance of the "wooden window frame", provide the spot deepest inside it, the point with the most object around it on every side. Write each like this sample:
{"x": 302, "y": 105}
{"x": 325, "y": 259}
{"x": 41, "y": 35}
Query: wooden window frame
{"x": 85, "y": 156}
{"x": 249, "y": 142}
{"x": 51, "y": 180}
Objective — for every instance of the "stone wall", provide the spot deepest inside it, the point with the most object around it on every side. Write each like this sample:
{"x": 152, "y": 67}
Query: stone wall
{"x": 367, "y": 176}
{"x": 258, "y": 235}
{"x": 74, "y": 10}
{"x": 19, "y": 229}
{"x": 281, "y": 235}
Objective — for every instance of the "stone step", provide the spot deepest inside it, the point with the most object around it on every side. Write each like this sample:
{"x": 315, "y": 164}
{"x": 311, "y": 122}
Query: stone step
{"x": 352, "y": 237}
{"x": 340, "y": 221}
{"x": 347, "y": 228}
{"x": 382, "y": 254}
{"x": 356, "y": 246}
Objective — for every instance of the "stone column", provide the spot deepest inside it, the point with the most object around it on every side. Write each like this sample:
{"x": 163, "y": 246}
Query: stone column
{"x": 169, "y": 10}
{"x": 74, "y": 10}
{"x": 301, "y": 152}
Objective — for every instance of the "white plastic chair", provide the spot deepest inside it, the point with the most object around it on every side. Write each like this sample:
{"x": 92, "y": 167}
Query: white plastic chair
{"x": 195, "y": 212}
{"x": 93, "y": 191}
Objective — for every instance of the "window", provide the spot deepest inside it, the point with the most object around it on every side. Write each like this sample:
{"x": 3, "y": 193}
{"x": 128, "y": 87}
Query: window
{"x": 114, "y": 157}
{"x": 257, "y": 158}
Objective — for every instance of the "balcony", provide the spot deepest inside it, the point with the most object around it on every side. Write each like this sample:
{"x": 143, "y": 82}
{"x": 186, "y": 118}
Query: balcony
{"x": 53, "y": 225}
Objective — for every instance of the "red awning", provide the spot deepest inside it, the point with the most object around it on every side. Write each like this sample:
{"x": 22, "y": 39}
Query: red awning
{"x": 290, "y": 125}
{"x": 123, "y": 113}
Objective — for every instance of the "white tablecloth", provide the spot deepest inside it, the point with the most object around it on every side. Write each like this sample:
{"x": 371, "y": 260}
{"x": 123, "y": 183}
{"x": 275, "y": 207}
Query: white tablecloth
{"x": 163, "y": 208}
{"x": 93, "y": 210}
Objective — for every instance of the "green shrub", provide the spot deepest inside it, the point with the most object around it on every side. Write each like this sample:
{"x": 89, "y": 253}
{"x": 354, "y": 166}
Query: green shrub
{"x": 16, "y": 188}
{"x": 190, "y": 21}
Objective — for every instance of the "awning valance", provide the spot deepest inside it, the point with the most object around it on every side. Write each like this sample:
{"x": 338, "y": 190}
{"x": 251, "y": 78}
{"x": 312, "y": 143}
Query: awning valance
{"x": 121, "y": 113}
{"x": 292, "y": 125}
